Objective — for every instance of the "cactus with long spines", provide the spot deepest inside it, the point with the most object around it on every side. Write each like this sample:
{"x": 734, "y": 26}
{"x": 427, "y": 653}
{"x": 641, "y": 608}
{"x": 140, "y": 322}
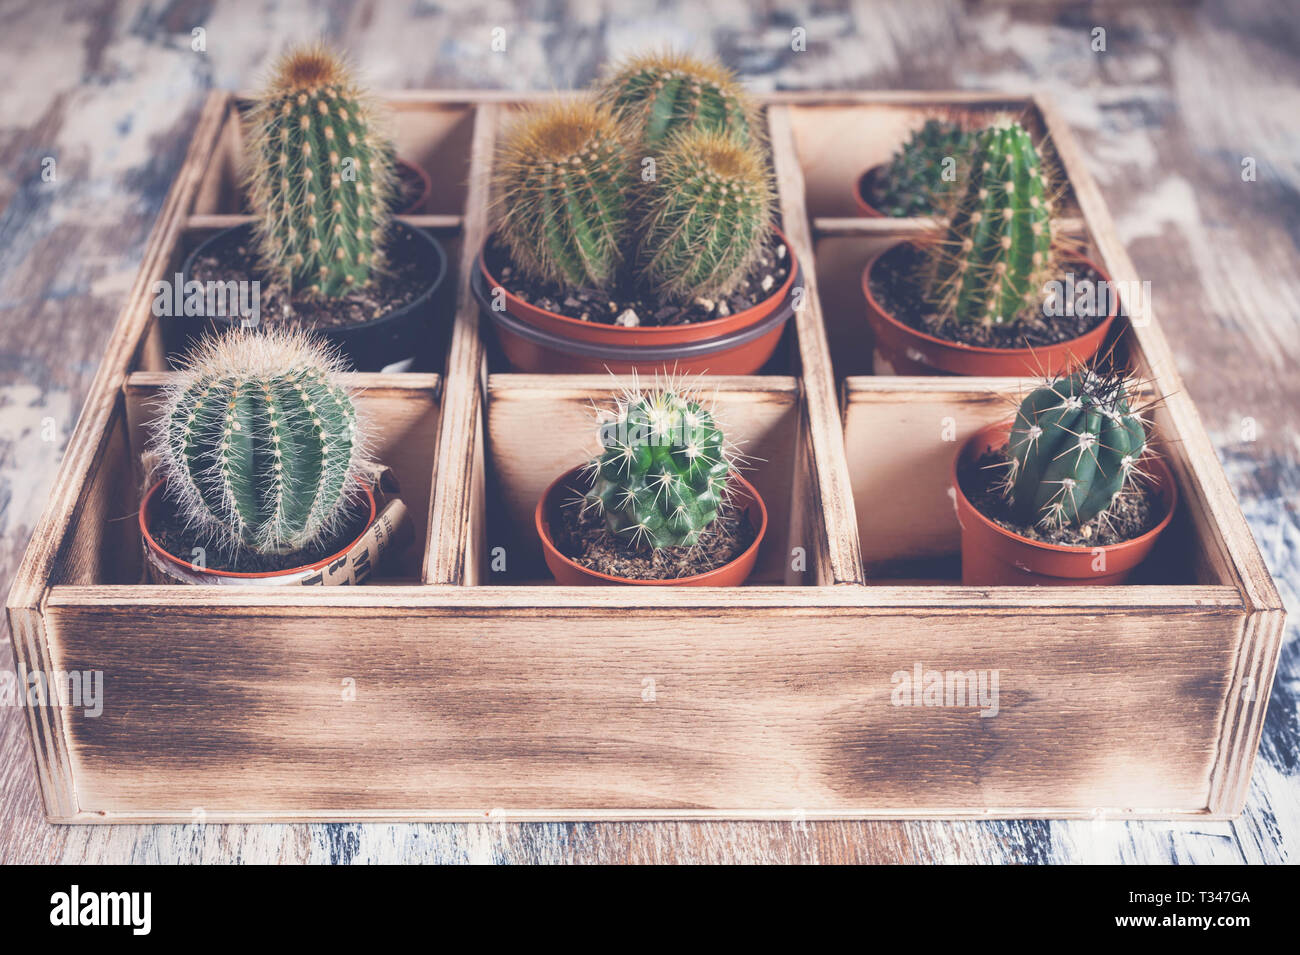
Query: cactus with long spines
{"x": 563, "y": 176}
{"x": 662, "y": 474}
{"x": 1074, "y": 445}
{"x": 913, "y": 183}
{"x": 997, "y": 252}
{"x": 258, "y": 441}
{"x": 320, "y": 176}
{"x": 661, "y": 94}
{"x": 709, "y": 213}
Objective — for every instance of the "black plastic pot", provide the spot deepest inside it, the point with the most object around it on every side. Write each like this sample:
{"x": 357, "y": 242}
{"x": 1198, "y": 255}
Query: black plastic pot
{"x": 377, "y": 345}
{"x": 533, "y": 349}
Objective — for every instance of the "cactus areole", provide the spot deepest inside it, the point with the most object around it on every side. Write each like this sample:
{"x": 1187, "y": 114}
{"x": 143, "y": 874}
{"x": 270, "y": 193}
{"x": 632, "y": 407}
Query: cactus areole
{"x": 662, "y": 94}
{"x": 320, "y": 177}
{"x": 921, "y": 175}
{"x": 258, "y": 442}
{"x": 997, "y": 253}
{"x": 663, "y": 473}
{"x": 1074, "y": 446}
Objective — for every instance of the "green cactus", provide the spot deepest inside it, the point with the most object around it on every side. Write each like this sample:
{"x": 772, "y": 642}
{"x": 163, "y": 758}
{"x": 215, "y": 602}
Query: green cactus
{"x": 1074, "y": 445}
{"x": 562, "y": 175}
{"x": 997, "y": 252}
{"x": 320, "y": 177}
{"x": 664, "y": 470}
{"x": 913, "y": 183}
{"x": 709, "y": 214}
{"x": 258, "y": 441}
{"x": 660, "y": 94}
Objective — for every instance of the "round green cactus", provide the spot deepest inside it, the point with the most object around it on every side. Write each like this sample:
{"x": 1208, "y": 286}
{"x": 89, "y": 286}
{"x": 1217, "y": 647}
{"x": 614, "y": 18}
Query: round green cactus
{"x": 258, "y": 441}
{"x": 913, "y": 183}
{"x": 320, "y": 177}
{"x": 1074, "y": 445}
{"x": 563, "y": 176}
{"x": 710, "y": 212}
{"x": 663, "y": 472}
{"x": 660, "y": 94}
{"x": 997, "y": 253}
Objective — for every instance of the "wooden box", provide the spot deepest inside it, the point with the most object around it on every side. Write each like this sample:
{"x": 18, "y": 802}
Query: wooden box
{"x": 461, "y": 684}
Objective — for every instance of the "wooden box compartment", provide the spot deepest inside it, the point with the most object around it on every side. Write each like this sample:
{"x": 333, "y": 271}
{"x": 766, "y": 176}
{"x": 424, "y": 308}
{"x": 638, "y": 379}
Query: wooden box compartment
{"x": 448, "y": 689}
{"x": 760, "y": 414}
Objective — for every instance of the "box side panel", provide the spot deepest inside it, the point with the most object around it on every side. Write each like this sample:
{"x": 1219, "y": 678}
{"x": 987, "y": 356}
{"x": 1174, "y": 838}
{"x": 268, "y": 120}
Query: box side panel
{"x": 287, "y": 711}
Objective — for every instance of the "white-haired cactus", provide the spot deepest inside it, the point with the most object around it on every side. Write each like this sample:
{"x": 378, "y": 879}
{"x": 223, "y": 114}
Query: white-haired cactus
{"x": 997, "y": 252}
{"x": 664, "y": 469}
{"x": 562, "y": 174}
{"x": 1074, "y": 445}
{"x": 660, "y": 94}
{"x": 914, "y": 184}
{"x": 710, "y": 212}
{"x": 258, "y": 441}
{"x": 320, "y": 176}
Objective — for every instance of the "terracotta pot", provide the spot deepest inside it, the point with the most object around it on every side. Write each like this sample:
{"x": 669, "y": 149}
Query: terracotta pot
{"x": 597, "y": 333}
{"x": 862, "y": 189}
{"x": 991, "y": 555}
{"x": 388, "y": 343}
{"x": 170, "y": 566}
{"x": 532, "y": 347}
{"x": 414, "y": 204}
{"x": 910, "y": 352}
{"x": 572, "y": 574}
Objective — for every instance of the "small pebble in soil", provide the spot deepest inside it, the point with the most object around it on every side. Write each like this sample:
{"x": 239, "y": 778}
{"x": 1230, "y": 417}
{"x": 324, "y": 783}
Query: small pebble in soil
{"x": 1134, "y": 512}
{"x": 896, "y": 286}
{"x": 628, "y": 319}
{"x": 584, "y": 539}
{"x": 769, "y": 272}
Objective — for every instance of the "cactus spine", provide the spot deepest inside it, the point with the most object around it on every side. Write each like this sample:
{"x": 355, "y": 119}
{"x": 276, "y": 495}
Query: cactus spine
{"x": 562, "y": 175}
{"x": 661, "y": 94}
{"x": 710, "y": 212}
{"x": 258, "y": 441}
{"x": 320, "y": 176}
{"x": 913, "y": 183}
{"x": 1074, "y": 445}
{"x": 663, "y": 472}
{"x": 998, "y": 249}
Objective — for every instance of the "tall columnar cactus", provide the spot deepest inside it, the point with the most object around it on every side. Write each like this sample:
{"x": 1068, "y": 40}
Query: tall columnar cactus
{"x": 660, "y": 94}
{"x": 914, "y": 184}
{"x": 663, "y": 472}
{"x": 998, "y": 249}
{"x": 709, "y": 213}
{"x": 258, "y": 441}
{"x": 1074, "y": 445}
{"x": 562, "y": 175}
{"x": 320, "y": 176}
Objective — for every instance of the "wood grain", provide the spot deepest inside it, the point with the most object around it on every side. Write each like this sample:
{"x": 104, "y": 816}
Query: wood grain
{"x": 1164, "y": 121}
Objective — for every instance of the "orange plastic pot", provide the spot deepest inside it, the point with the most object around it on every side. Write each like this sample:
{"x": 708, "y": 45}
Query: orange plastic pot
{"x": 572, "y": 574}
{"x": 862, "y": 189}
{"x": 991, "y": 555}
{"x": 597, "y": 333}
{"x": 530, "y": 348}
{"x": 182, "y": 570}
{"x": 910, "y": 352}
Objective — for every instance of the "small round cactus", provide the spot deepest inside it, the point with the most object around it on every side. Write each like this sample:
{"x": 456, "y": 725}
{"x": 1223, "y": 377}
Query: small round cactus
{"x": 709, "y": 213}
{"x": 660, "y": 94}
{"x": 258, "y": 441}
{"x": 663, "y": 472}
{"x": 913, "y": 183}
{"x": 991, "y": 266}
{"x": 563, "y": 177}
{"x": 320, "y": 176}
{"x": 1074, "y": 445}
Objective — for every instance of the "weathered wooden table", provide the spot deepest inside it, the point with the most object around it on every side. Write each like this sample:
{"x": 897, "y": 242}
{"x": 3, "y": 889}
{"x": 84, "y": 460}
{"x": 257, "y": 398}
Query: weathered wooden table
{"x": 1182, "y": 98}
